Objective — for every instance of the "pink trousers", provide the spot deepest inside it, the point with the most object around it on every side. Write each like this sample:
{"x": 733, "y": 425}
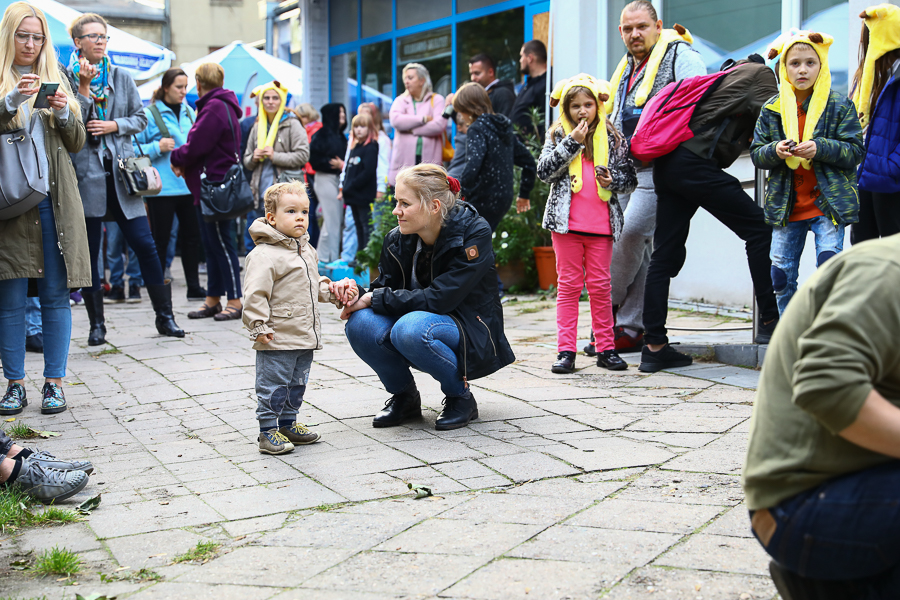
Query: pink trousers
{"x": 580, "y": 260}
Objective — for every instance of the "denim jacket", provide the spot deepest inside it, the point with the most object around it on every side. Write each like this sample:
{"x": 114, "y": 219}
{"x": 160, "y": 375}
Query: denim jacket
{"x": 839, "y": 148}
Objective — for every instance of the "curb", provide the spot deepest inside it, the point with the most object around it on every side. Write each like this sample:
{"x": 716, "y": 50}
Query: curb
{"x": 750, "y": 356}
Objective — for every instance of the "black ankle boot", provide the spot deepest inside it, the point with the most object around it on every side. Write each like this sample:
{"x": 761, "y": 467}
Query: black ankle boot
{"x": 93, "y": 302}
{"x": 565, "y": 362}
{"x": 400, "y": 408}
{"x": 161, "y": 297}
{"x": 458, "y": 411}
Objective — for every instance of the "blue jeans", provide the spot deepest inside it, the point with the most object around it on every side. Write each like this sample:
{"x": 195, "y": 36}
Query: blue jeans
{"x": 116, "y": 249}
{"x": 350, "y": 244}
{"x": 56, "y": 313}
{"x": 281, "y": 378}
{"x": 787, "y": 247}
{"x": 173, "y": 239}
{"x": 848, "y": 528}
{"x": 32, "y": 316}
{"x": 223, "y": 270}
{"x": 391, "y": 345}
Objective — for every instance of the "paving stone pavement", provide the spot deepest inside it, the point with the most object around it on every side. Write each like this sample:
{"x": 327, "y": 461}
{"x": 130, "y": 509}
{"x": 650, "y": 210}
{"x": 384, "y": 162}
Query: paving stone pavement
{"x": 596, "y": 484}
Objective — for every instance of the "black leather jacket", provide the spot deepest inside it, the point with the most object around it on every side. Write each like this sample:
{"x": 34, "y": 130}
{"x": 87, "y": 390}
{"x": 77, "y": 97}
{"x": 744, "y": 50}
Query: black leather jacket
{"x": 463, "y": 287}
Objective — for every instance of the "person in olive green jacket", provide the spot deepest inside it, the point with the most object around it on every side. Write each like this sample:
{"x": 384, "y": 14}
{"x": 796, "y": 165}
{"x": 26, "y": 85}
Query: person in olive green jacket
{"x": 821, "y": 476}
{"x": 46, "y": 245}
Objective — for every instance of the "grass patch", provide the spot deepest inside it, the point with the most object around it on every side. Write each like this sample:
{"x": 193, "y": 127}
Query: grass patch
{"x": 23, "y": 598}
{"x": 16, "y": 511}
{"x": 108, "y": 351}
{"x": 20, "y": 430}
{"x": 141, "y": 575}
{"x": 202, "y": 551}
{"x": 533, "y": 309}
{"x": 58, "y": 561}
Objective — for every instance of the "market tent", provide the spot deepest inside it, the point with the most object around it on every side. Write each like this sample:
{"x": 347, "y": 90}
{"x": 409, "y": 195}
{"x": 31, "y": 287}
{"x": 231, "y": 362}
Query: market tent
{"x": 245, "y": 68}
{"x": 142, "y": 59}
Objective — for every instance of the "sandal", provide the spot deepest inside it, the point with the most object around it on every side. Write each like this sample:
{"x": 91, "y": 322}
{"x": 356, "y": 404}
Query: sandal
{"x": 205, "y": 312}
{"x": 229, "y": 314}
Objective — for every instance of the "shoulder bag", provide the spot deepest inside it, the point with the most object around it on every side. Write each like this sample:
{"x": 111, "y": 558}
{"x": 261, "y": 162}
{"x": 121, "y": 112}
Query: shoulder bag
{"x": 140, "y": 176}
{"x": 229, "y": 198}
{"x": 22, "y": 184}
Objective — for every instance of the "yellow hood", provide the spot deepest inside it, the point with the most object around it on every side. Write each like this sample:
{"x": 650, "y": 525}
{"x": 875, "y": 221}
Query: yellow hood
{"x": 265, "y": 135}
{"x": 883, "y": 22}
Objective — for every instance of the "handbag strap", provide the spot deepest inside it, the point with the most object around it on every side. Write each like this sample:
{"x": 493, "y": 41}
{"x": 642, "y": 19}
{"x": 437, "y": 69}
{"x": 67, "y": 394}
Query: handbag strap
{"x": 160, "y": 124}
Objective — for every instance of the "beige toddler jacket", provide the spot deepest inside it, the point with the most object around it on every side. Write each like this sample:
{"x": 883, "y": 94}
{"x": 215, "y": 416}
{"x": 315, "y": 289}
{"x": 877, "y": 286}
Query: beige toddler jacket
{"x": 282, "y": 290}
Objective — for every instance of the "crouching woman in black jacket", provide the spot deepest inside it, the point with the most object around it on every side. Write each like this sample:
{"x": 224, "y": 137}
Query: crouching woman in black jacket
{"x": 435, "y": 305}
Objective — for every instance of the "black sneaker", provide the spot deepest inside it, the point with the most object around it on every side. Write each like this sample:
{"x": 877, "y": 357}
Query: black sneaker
{"x": 115, "y": 295}
{"x": 764, "y": 332}
{"x": 589, "y": 349}
{"x": 667, "y": 358}
{"x": 134, "y": 293}
{"x": 610, "y": 360}
{"x": 565, "y": 362}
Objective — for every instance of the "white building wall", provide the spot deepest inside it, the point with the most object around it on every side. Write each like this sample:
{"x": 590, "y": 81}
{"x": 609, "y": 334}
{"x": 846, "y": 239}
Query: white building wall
{"x": 314, "y": 58}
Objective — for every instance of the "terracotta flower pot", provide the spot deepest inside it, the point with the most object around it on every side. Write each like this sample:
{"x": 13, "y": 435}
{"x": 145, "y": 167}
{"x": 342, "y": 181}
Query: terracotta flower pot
{"x": 545, "y": 259}
{"x": 512, "y": 273}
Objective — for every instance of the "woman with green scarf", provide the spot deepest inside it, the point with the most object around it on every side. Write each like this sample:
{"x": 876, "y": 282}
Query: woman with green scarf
{"x": 113, "y": 113}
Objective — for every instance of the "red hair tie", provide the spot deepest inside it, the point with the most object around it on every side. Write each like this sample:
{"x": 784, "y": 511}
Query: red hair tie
{"x": 453, "y": 182}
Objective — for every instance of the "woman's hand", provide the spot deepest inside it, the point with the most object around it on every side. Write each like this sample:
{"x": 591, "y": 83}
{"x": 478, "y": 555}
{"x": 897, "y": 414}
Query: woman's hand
{"x": 604, "y": 178}
{"x": 805, "y": 150}
{"x": 166, "y": 145}
{"x": 336, "y": 163}
{"x": 268, "y": 152}
{"x": 98, "y": 127}
{"x": 265, "y": 338}
{"x": 783, "y": 150}
{"x": 522, "y": 205}
{"x": 258, "y": 154}
{"x": 364, "y": 301}
{"x": 580, "y": 132}
{"x": 58, "y": 100}
{"x": 345, "y": 290}
{"x": 86, "y": 72}
{"x": 179, "y": 172}
{"x": 28, "y": 85}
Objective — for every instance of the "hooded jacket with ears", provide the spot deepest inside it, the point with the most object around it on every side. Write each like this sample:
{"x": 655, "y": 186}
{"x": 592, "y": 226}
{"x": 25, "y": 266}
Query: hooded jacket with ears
{"x": 210, "y": 141}
{"x": 291, "y": 151}
{"x": 463, "y": 287}
{"x": 329, "y": 142}
{"x": 839, "y": 147}
{"x": 492, "y": 149}
{"x": 282, "y": 290}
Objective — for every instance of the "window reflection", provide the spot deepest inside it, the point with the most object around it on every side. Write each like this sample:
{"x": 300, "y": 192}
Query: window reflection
{"x": 500, "y": 36}
{"x": 433, "y": 50}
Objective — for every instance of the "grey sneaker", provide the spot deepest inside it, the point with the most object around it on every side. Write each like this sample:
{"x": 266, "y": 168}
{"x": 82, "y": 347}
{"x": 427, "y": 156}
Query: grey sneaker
{"x": 273, "y": 442}
{"x": 299, "y": 435}
{"x": 49, "y": 485}
{"x": 48, "y": 461}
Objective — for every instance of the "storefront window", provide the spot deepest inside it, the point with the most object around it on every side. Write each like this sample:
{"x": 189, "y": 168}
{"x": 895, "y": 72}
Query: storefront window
{"x": 343, "y": 82}
{"x": 344, "y": 18}
{"x": 433, "y": 50}
{"x": 377, "y": 17}
{"x": 464, "y": 5}
{"x": 376, "y": 76}
{"x": 725, "y": 29}
{"x": 415, "y": 12}
{"x": 500, "y": 36}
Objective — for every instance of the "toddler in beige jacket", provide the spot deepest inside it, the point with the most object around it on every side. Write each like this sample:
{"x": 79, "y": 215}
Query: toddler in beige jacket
{"x": 282, "y": 291}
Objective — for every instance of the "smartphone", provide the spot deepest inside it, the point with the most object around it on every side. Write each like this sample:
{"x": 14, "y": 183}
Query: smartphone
{"x": 47, "y": 89}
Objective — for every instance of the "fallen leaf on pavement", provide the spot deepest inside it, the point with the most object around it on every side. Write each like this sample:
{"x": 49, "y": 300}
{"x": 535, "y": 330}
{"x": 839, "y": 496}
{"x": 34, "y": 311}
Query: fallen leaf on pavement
{"x": 88, "y": 505}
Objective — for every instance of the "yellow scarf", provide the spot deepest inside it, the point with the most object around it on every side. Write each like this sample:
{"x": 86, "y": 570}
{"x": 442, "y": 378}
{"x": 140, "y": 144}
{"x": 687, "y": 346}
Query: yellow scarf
{"x": 883, "y": 22}
{"x": 265, "y": 135}
{"x": 676, "y": 34}
{"x": 600, "y": 91}
{"x": 788, "y": 99}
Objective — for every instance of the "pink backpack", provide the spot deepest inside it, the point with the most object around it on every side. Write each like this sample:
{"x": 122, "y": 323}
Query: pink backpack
{"x": 664, "y": 122}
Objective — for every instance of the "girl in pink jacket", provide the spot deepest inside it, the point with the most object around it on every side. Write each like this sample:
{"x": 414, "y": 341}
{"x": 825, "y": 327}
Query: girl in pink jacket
{"x": 417, "y": 121}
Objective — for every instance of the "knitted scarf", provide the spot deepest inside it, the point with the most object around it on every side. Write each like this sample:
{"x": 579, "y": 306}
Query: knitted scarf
{"x": 600, "y": 90}
{"x": 99, "y": 84}
{"x": 883, "y": 22}
{"x": 788, "y": 99}
{"x": 668, "y": 36}
{"x": 266, "y": 134}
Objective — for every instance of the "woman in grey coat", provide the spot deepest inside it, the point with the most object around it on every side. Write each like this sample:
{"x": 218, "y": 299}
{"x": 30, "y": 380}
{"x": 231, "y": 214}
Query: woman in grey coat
{"x": 113, "y": 113}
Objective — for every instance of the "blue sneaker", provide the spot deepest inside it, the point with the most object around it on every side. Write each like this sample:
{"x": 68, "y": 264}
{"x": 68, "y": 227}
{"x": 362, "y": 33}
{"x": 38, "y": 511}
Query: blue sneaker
{"x": 53, "y": 400}
{"x": 13, "y": 400}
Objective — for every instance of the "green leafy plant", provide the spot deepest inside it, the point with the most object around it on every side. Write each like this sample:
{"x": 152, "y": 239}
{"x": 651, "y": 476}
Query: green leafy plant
{"x": 57, "y": 561}
{"x": 16, "y": 511}
{"x": 201, "y": 552}
{"x": 382, "y": 223}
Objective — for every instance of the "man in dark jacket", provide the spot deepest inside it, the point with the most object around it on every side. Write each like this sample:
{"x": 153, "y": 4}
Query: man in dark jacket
{"x": 691, "y": 177}
{"x": 533, "y": 62}
{"x": 482, "y": 71}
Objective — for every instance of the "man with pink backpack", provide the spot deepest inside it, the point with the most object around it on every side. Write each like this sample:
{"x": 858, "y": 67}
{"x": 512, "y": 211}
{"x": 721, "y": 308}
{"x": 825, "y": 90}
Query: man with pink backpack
{"x": 690, "y": 154}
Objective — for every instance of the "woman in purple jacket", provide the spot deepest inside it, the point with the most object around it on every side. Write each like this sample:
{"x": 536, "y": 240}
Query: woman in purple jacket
{"x": 211, "y": 145}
